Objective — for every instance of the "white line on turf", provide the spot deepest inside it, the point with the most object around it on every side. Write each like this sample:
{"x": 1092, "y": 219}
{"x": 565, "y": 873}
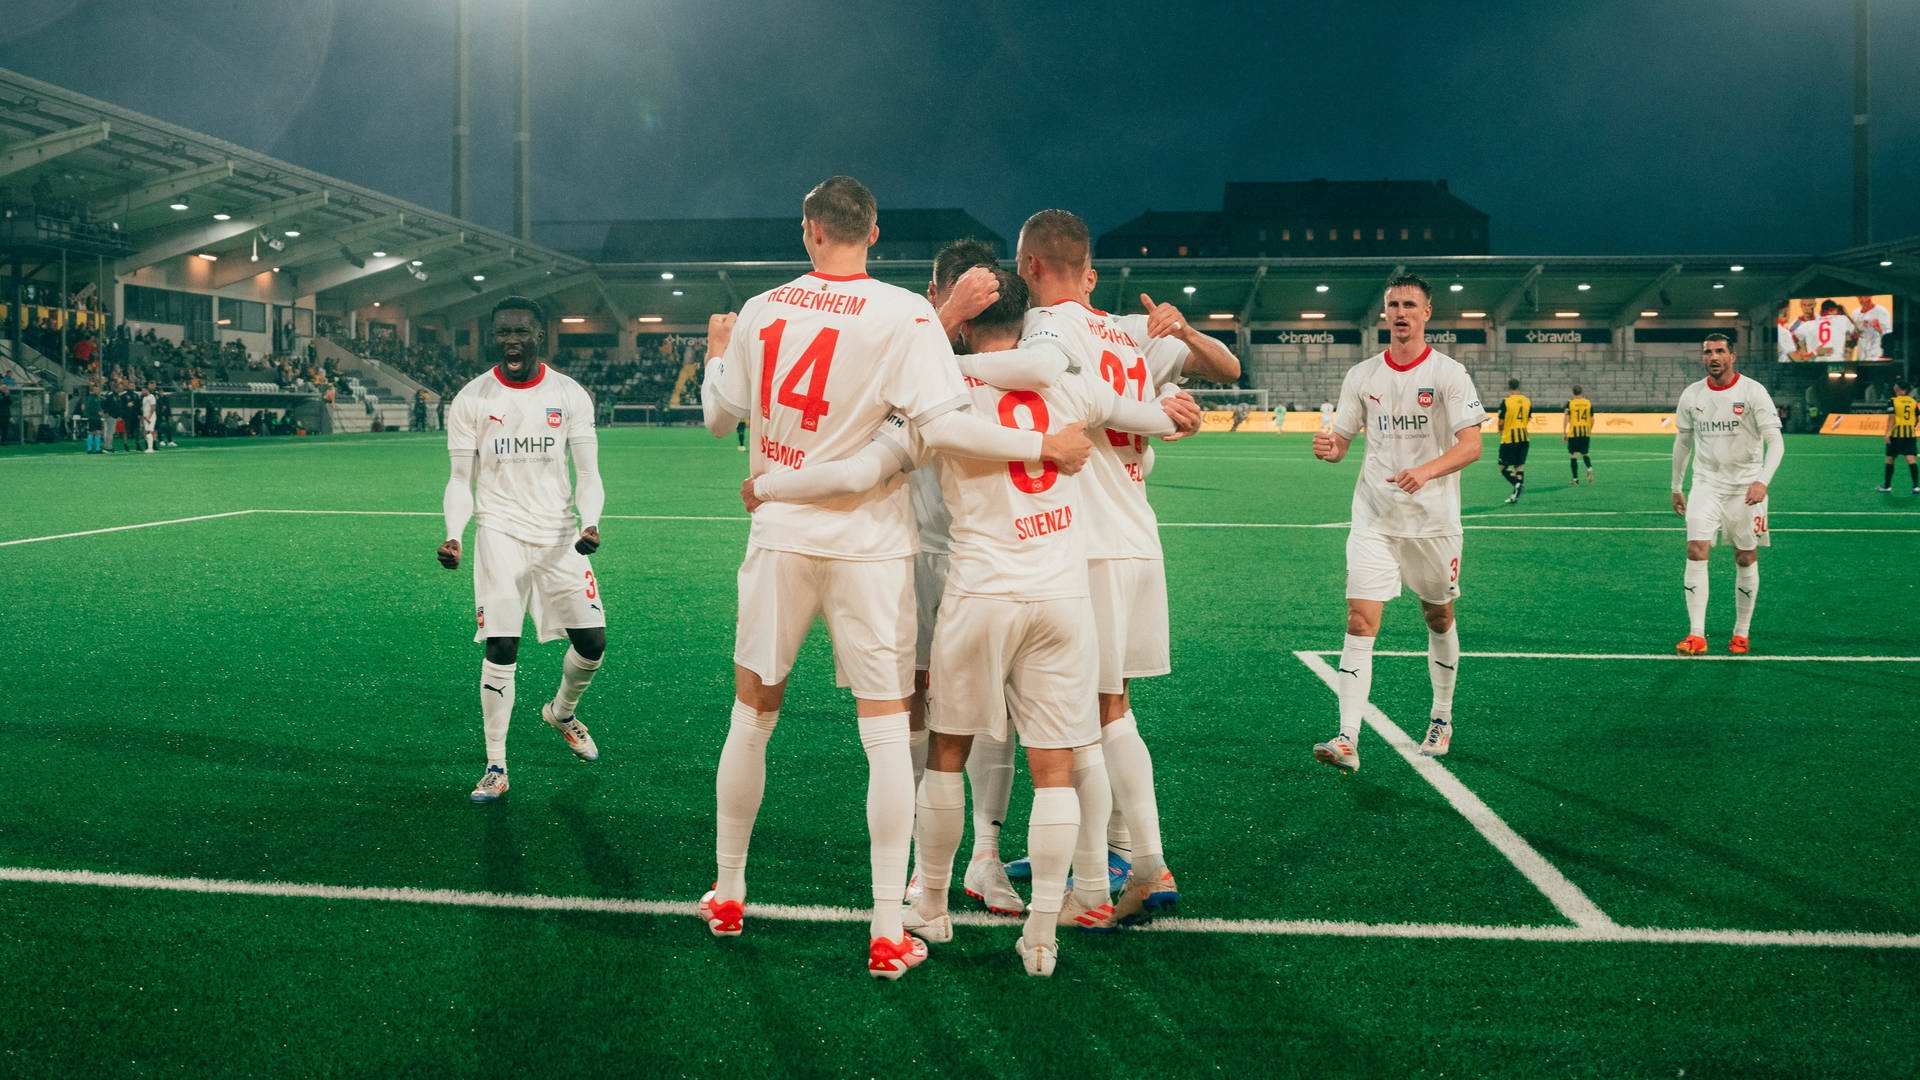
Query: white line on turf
{"x": 820, "y": 913}
{"x": 1562, "y": 893}
{"x": 1749, "y": 658}
{"x": 123, "y": 528}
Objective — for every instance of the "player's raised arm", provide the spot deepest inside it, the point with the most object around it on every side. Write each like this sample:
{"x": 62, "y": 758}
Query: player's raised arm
{"x": 725, "y": 394}
{"x": 1015, "y": 369}
{"x": 973, "y": 292}
{"x": 1207, "y": 356}
{"x": 927, "y": 390}
{"x": 1330, "y": 443}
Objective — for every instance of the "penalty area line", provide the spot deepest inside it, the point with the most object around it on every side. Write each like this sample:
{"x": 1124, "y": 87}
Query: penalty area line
{"x": 125, "y": 528}
{"x": 1749, "y": 658}
{"x": 807, "y": 913}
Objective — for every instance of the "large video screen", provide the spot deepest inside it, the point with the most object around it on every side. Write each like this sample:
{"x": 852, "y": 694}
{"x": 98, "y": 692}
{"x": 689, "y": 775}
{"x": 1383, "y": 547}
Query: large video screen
{"x": 1834, "y": 329}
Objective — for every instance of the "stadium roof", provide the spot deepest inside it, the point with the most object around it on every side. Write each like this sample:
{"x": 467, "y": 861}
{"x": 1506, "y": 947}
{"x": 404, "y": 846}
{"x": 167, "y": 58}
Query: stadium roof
{"x": 1346, "y": 199}
{"x": 88, "y": 177}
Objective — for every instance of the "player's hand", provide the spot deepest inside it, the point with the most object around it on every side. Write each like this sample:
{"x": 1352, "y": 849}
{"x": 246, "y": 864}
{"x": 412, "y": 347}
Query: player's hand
{"x": 1324, "y": 447}
{"x": 1184, "y": 411}
{"x": 1756, "y": 493}
{"x": 589, "y": 541}
{"x": 973, "y": 292}
{"x": 1408, "y": 480}
{"x": 1680, "y": 504}
{"x": 747, "y": 496}
{"x": 449, "y": 554}
{"x": 719, "y": 332}
{"x": 1067, "y": 448}
{"x": 1163, "y": 320}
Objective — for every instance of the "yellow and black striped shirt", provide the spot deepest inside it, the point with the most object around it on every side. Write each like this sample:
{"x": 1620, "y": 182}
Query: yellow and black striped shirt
{"x": 1579, "y": 418}
{"x": 1904, "y": 410}
{"x": 1514, "y": 414}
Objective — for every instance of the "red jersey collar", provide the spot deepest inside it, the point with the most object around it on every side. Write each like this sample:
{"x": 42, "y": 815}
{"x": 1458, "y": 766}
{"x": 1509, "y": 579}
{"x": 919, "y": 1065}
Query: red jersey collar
{"x": 1078, "y": 303}
{"x": 1417, "y": 361}
{"x": 838, "y": 277}
{"x": 538, "y": 374}
{"x": 1729, "y": 386}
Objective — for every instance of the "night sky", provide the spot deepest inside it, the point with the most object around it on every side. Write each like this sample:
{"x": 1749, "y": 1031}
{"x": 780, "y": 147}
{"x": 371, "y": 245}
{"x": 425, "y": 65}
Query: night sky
{"x": 1690, "y": 126}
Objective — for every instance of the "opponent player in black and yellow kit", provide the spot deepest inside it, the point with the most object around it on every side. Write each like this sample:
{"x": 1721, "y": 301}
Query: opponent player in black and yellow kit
{"x": 1579, "y": 435}
{"x": 1514, "y": 414}
{"x": 1900, "y": 435}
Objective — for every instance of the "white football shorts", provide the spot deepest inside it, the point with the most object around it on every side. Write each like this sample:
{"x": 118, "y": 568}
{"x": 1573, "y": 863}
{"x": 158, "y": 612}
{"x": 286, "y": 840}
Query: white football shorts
{"x": 1130, "y": 620}
{"x": 512, "y": 579}
{"x": 1713, "y": 517}
{"x": 869, "y": 612}
{"x": 994, "y": 659}
{"x": 929, "y": 586}
{"x": 1378, "y": 565}
{"x": 148, "y": 424}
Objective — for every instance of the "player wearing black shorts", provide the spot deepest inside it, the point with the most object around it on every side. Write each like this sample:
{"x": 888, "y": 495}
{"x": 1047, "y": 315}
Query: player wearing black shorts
{"x": 1579, "y": 435}
{"x": 1900, "y": 435}
{"x": 1515, "y": 412}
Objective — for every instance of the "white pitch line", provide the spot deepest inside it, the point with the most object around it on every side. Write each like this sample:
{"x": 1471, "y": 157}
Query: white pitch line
{"x": 124, "y": 528}
{"x": 1565, "y": 896}
{"x": 1605, "y": 933}
{"x": 1672, "y": 529}
{"x": 1748, "y": 659}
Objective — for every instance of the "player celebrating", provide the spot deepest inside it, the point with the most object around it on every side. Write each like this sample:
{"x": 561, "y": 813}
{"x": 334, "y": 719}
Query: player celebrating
{"x": 1727, "y": 424}
{"x": 1900, "y": 435}
{"x": 1422, "y": 417}
{"x": 1514, "y": 414}
{"x": 815, "y": 366}
{"x": 1824, "y": 339}
{"x": 1134, "y": 354}
{"x": 1874, "y": 324}
{"x": 519, "y": 422}
{"x": 1578, "y": 434}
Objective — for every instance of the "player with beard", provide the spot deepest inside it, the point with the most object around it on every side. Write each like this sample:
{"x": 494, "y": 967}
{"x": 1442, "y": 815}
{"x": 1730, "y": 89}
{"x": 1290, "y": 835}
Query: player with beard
{"x": 512, "y": 430}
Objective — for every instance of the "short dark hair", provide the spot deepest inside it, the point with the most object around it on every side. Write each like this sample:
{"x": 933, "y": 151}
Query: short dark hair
{"x": 1058, "y": 238}
{"x": 1010, "y": 311}
{"x": 843, "y": 207}
{"x": 1834, "y": 305}
{"x": 1719, "y": 337}
{"x": 957, "y": 257}
{"x": 1513, "y": 384}
{"x": 1576, "y": 389}
{"x": 520, "y": 303}
{"x": 1411, "y": 281}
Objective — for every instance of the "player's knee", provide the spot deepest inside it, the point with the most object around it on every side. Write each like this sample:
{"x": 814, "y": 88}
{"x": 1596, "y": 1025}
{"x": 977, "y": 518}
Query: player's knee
{"x": 590, "y": 642}
{"x": 1697, "y": 550}
{"x": 503, "y": 650}
{"x": 1746, "y": 558}
{"x": 1439, "y": 619}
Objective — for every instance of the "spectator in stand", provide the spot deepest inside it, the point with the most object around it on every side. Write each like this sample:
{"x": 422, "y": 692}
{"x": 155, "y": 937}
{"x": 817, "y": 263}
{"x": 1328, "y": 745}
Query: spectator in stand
{"x": 419, "y": 410}
{"x": 6, "y": 409}
{"x": 83, "y": 351}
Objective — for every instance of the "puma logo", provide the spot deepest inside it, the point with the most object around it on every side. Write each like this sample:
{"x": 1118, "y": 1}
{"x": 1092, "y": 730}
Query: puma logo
{"x": 1689, "y": 588}
{"x": 1743, "y": 592}
{"x": 501, "y": 690}
{"x": 1355, "y": 672}
{"x": 1375, "y": 398}
{"x": 1449, "y": 667}
{"x": 497, "y": 420}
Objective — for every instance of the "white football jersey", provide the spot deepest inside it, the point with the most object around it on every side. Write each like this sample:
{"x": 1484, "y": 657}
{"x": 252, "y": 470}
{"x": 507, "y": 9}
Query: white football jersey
{"x": 1116, "y": 350}
{"x": 1729, "y": 425}
{"x": 147, "y": 404}
{"x": 520, "y": 432}
{"x": 1410, "y": 415}
{"x": 1875, "y": 324}
{"x": 818, "y": 363}
{"x": 1825, "y": 336}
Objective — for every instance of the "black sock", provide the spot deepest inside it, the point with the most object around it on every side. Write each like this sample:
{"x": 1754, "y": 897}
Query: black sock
{"x": 1574, "y": 467}
{"x": 1587, "y": 459}
{"x": 1913, "y": 471}
{"x": 1888, "y": 481}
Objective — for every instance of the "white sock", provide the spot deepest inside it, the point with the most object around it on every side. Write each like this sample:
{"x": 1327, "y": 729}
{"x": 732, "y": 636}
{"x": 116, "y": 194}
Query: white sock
{"x": 1052, "y": 832}
{"x": 1130, "y": 768}
{"x": 1094, "y": 790}
{"x": 889, "y": 816}
{"x": 1356, "y": 683}
{"x": 1443, "y": 664}
{"x": 496, "y": 708}
{"x": 1119, "y": 837}
{"x": 1746, "y": 589}
{"x": 917, "y": 749}
{"x": 939, "y": 818}
{"x": 576, "y": 672}
{"x": 737, "y": 788}
{"x": 990, "y": 775}
{"x": 1696, "y": 586}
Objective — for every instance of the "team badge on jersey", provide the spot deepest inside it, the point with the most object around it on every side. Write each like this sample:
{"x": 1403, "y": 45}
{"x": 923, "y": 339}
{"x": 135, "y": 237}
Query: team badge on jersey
{"x": 1739, "y": 408}
{"x": 1426, "y": 397}
{"x": 481, "y": 614}
{"x": 553, "y": 417}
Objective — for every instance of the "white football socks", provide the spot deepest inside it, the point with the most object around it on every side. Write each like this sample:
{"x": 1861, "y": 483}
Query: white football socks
{"x": 738, "y": 787}
{"x": 990, "y": 775}
{"x": 1355, "y": 673}
{"x": 1696, "y": 586}
{"x": 496, "y": 708}
{"x": 576, "y": 673}
{"x": 1052, "y": 833}
{"x": 1746, "y": 589}
{"x": 889, "y": 816}
{"x": 917, "y": 749}
{"x": 1094, "y": 791}
{"x": 1443, "y": 664}
{"x": 1119, "y": 837}
{"x": 1130, "y": 767}
{"x": 939, "y": 818}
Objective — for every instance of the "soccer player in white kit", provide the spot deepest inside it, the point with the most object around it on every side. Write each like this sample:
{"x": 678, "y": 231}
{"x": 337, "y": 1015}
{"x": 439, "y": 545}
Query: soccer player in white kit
{"x": 149, "y": 402}
{"x": 816, "y": 366}
{"x": 1874, "y": 324}
{"x": 514, "y": 428}
{"x": 1422, "y": 418}
{"x": 1127, "y": 572}
{"x": 1824, "y": 339}
{"x": 1727, "y": 424}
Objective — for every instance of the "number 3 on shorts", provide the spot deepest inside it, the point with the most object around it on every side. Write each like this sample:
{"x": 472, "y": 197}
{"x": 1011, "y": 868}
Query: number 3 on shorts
{"x": 1453, "y": 570}
{"x": 593, "y": 587}
{"x": 1759, "y": 525}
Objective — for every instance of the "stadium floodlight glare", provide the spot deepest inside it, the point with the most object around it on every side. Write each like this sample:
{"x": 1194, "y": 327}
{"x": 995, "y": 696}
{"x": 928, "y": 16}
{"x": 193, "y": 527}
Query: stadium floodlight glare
{"x": 1322, "y": 287}
{"x": 573, "y": 318}
{"x": 1719, "y": 284}
{"x": 1886, "y": 262}
{"x": 1566, "y": 314}
{"x": 415, "y": 262}
{"x": 292, "y": 233}
{"x": 650, "y": 319}
{"x": 1220, "y": 315}
{"x": 1583, "y": 286}
{"x": 479, "y": 277}
{"x": 376, "y": 303}
{"x": 379, "y": 254}
{"x": 179, "y": 203}
{"x": 1736, "y": 268}
{"x": 1473, "y": 314}
{"x": 679, "y": 292}
{"x": 1726, "y": 314}
{"x": 222, "y": 215}
{"x": 1458, "y": 286}
{"x": 666, "y": 275}
{"x": 1313, "y": 314}
{"x": 1189, "y": 290}
{"x": 209, "y": 256}
{"x": 1649, "y": 314}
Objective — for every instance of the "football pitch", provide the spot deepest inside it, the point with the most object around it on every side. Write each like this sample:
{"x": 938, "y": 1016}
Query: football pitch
{"x": 239, "y": 722}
